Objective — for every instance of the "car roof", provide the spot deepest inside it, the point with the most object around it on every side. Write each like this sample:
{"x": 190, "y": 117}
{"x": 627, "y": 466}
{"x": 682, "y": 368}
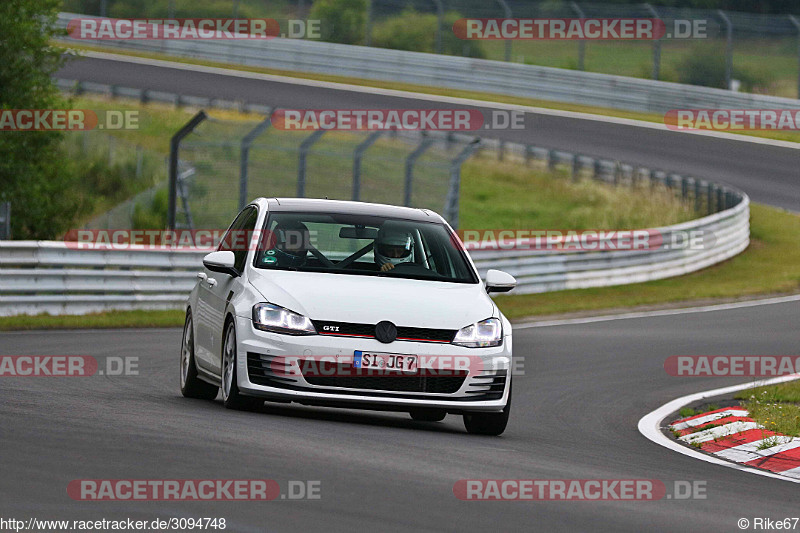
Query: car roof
{"x": 315, "y": 205}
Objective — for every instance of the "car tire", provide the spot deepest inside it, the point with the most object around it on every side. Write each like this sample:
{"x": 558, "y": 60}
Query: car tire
{"x": 488, "y": 423}
{"x": 191, "y": 385}
{"x": 428, "y": 415}
{"x": 232, "y": 398}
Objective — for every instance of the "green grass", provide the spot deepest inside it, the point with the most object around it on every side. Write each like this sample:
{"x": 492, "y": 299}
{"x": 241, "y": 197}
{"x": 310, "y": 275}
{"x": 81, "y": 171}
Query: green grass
{"x": 686, "y": 412}
{"x": 111, "y": 319}
{"x": 770, "y": 265}
{"x": 792, "y": 136}
{"x": 776, "y": 407}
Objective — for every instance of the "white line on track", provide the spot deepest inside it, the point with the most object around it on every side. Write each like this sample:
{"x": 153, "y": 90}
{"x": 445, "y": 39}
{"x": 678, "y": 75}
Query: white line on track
{"x": 661, "y": 312}
{"x": 430, "y": 97}
{"x": 650, "y": 426}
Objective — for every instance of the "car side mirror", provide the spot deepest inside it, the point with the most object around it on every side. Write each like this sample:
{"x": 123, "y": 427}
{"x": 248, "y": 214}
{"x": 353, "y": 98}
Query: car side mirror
{"x": 499, "y": 281}
{"x": 222, "y": 262}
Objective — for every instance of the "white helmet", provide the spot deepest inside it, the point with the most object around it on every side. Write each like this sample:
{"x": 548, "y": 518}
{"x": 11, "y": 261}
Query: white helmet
{"x": 393, "y": 245}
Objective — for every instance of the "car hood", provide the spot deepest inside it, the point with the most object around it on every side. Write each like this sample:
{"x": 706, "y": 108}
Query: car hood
{"x": 368, "y": 299}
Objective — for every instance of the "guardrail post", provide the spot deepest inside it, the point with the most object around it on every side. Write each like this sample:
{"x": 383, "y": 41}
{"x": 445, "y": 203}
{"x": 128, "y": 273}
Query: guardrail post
{"x": 358, "y": 153}
{"x": 598, "y": 169}
{"x": 728, "y": 48}
{"x": 507, "y": 14}
{"x": 656, "y": 46}
{"x": 453, "y": 191}
{"x": 720, "y": 199}
{"x": 305, "y": 146}
{"x": 410, "y": 160}
{"x": 5, "y": 220}
{"x": 551, "y": 160}
{"x": 684, "y": 187}
{"x": 528, "y": 155}
{"x": 582, "y": 42}
{"x": 501, "y": 149}
{"x": 797, "y": 25}
{"x": 174, "y": 146}
{"x": 247, "y": 141}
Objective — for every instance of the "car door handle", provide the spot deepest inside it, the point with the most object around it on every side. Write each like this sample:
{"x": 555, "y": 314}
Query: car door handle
{"x": 211, "y": 282}
{"x": 202, "y": 276}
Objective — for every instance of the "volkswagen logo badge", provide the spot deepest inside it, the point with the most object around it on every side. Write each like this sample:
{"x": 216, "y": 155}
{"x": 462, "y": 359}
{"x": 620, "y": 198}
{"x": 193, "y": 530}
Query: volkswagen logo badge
{"x": 385, "y": 332}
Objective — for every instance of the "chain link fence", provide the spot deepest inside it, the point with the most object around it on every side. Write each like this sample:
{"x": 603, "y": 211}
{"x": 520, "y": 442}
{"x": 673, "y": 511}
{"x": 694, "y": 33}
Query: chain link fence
{"x": 227, "y": 163}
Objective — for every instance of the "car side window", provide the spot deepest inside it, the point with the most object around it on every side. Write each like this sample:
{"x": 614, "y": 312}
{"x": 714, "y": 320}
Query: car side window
{"x": 238, "y": 237}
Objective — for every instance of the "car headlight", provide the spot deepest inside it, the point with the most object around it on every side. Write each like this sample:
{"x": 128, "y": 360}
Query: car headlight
{"x": 485, "y": 333}
{"x": 268, "y": 317}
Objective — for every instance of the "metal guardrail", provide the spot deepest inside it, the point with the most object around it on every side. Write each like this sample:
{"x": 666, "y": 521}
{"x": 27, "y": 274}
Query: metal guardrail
{"x": 495, "y": 77}
{"x": 52, "y": 277}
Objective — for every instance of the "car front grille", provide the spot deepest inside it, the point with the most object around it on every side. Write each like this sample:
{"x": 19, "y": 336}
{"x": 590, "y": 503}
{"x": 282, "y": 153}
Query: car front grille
{"x": 348, "y": 377}
{"x": 404, "y": 333}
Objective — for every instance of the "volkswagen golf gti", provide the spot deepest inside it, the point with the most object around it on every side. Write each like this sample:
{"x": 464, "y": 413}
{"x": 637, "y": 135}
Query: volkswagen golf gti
{"x": 349, "y": 304}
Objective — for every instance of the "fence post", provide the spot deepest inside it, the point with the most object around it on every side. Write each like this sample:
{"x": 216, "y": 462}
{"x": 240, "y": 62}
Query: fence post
{"x": 439, "y": 22}
{"x": 139, "y": 161}
{"x": 576, "y": 166}
{"x": 174, "y": 146}
{"x": 247, "y": 141}
{"x": 368, "y": 25}
{"x": 728, "y": 48}
{"x": 5, "y": 220}
{"x": 410, "y": 160}
{"x": 656, "y": 46}
{"x": 357, "y": 154}
{"x": 507, "y": 14}
{"x": 305, "y": 146}
{"x": 453, "y": 191}
{"x": 797, "y": 25}
{"x": 582, "y": 42}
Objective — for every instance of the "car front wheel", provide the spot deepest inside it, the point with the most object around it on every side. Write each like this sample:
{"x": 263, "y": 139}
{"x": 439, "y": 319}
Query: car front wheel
{"x": 488, "y": 423}
{"x": 191, "y": 385}
{"x": 231, "y": 397}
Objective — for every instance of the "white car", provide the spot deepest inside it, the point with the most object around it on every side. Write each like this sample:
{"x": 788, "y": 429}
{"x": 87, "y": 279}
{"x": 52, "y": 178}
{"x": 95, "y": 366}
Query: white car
{"x": 349, "y": 304}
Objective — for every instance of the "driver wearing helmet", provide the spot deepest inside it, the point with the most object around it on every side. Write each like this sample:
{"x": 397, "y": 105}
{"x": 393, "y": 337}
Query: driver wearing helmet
{"x": 292, "y": 242}
{"x": 392, "y": 247}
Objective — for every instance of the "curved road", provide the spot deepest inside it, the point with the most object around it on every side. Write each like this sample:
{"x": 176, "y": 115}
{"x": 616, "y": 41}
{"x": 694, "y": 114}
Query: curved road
{"x": 769, "y": 174}
{"x": 575, "y": 413}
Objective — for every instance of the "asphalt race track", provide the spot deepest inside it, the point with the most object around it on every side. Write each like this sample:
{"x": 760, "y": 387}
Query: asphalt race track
{"x": 769, "y": 174}
{"x": 575, "y": 413}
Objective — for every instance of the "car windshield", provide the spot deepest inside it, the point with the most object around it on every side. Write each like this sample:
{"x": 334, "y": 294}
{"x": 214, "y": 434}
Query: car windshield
{"x": 362, "y": 245}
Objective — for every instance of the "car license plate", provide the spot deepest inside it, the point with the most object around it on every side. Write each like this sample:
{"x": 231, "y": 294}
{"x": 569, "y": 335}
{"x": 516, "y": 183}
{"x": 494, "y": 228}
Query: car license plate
{"x": 385, "y": 361}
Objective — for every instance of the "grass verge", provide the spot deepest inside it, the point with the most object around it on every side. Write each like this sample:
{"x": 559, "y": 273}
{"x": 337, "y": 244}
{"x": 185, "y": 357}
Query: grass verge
{"x": 776, "y": 407}
{"x": 107, "y": 320}
{"x": 547, "y": 104}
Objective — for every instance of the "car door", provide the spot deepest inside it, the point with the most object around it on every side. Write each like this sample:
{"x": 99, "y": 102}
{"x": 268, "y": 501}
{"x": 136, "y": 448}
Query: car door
{"x": 217, "y": 289}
